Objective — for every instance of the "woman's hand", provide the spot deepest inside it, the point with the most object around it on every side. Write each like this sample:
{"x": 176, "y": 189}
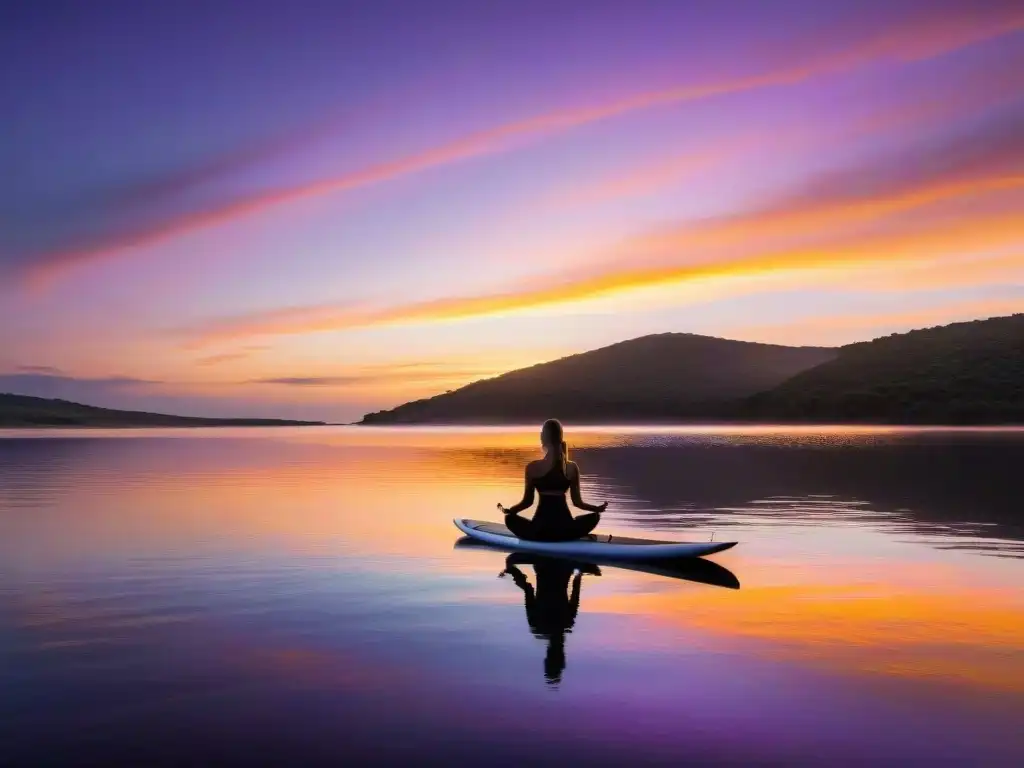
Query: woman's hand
{"x": 601, "y": 507}
{"x": 501, "y": 508}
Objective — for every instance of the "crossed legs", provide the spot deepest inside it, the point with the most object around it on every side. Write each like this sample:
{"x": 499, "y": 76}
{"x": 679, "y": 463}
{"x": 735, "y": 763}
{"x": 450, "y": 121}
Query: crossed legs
{"x": 577, "y": 528}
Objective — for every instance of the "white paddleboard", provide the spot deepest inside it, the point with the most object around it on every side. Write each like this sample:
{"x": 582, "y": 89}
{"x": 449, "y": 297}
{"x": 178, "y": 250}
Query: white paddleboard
{"x": 594, "y": 546}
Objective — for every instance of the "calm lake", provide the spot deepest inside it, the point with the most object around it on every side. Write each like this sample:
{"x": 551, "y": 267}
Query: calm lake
{"x": 296, "y": 595}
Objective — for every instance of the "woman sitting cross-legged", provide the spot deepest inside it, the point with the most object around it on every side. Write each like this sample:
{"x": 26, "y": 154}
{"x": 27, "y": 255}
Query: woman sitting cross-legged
{"x": 551, "y": 477}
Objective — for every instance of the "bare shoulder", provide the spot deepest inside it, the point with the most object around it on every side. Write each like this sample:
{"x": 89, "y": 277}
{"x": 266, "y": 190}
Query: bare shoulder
{"x": 533, "y": 469}
{"x": 572, "y": 470}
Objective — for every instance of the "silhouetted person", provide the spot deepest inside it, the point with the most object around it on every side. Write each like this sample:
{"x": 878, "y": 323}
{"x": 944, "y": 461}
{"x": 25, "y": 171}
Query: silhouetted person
{"x": 550, "y": 610}
{"x": 551, "y": 477}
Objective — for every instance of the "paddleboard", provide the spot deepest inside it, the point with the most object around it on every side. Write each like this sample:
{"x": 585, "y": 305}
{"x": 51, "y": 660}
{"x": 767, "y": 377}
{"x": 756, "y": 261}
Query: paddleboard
{"x": 695, "y": 569}
{"x": 594, "y": 546}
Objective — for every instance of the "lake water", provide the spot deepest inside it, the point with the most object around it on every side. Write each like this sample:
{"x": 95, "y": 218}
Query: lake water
{"x": 297, "y": 595}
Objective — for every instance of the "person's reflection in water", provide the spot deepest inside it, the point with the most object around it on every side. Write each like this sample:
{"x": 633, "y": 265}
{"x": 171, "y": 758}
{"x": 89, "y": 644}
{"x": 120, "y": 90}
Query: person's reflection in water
{"x": 550, "y": 608}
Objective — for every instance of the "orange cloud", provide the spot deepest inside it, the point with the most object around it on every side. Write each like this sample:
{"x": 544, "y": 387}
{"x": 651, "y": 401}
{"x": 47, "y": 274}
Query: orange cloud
{"x": 909, "y": 243}
{"x": 812, "y": 215}
{"x": 917, "y": 39}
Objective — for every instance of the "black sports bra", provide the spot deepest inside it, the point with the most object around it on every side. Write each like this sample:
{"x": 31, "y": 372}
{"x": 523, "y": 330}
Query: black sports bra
{"x": 554, "y": 481}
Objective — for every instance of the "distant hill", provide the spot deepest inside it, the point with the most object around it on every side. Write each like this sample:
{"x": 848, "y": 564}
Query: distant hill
{"x": 24, "y": 411}
{"x": 663, "y": 376}
{"x": 966, "y": 373}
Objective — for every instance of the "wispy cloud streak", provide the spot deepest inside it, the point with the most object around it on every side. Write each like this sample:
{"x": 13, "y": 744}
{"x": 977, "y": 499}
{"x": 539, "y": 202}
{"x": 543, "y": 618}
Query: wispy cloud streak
{"x": 171, "y": 185}
{"x": 47, "y": 370}
{"x": 403, "y": 374}
{"x": 917, "y": 246}
{"x": 228, "y": 357}
{"x": 965, "y": 95}
{"x": 829, "y": 230}
{"x": 918, "y": 38}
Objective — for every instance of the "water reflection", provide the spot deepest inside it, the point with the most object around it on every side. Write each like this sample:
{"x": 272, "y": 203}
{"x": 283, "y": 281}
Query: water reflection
{"x": 251, "y": 589}
{"x": 553, "y": 604}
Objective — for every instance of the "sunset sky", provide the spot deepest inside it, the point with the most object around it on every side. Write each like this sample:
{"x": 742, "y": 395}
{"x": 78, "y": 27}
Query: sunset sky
{"x": 317, "y": 209}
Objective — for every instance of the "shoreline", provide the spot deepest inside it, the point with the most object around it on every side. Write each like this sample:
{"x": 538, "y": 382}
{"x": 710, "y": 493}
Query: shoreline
{"x": 670, "y": 424}
{"x": 216, "y": 425}
{"x": 516, "y": 426}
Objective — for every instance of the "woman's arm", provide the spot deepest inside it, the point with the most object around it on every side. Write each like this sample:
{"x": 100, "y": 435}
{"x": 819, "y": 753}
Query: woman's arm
{"x": 518, "y": 577}
{"x": 574, "y": 492}
{"x": 527, "y": 500}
